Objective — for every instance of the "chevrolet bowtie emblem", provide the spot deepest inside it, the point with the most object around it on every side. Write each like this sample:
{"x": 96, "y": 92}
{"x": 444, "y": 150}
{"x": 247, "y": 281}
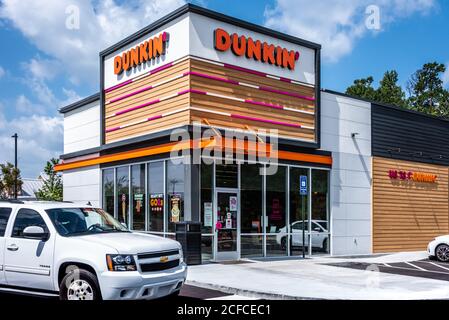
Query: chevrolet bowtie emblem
{"x": 163, "y": 259}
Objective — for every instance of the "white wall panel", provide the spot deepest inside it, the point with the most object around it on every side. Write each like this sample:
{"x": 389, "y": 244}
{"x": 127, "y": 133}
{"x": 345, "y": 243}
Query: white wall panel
{"x": 83, "y": 185}
{"x": 82, "y": 128}
{"x": 351, "y": 171}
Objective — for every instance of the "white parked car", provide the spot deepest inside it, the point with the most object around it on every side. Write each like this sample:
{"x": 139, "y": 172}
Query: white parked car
{"x": 319, "y": 235}
{"x": 82, "y": 253}
{"x": 439, "y": 248}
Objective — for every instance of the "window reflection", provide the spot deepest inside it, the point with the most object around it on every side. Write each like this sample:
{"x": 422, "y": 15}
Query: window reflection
{"x": 156, "y": 196}
{"x": 122, "y": 198}
{"x": 108, "y": 191}
{"x": 175, "y": 193}
{"x": 319, "y": 233}
{"x": 138, "y": 196}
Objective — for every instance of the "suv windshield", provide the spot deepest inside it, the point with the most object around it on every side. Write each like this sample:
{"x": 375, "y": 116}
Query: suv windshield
{"x": 81, "y": 221}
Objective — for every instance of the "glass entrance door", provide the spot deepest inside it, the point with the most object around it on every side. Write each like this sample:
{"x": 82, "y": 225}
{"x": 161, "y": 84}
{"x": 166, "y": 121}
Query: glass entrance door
{"x": 227, "y": 224}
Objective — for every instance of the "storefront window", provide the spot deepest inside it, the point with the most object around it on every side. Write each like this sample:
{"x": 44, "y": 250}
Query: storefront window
{"x": 299, "y": 214}
{"x": 226, "y": 175}
{"x": 206, "y": 202}
{"x": 276, "y": 192}
{"x": 156, "y": 196}
{"x": 108, "y": 191}
{"x": 175, "y": 193}
{"x": 320, "y": 218}
{"x": 138, "y": 196}
{"x": 123, "y": 194}
{"x": 251, "y": 196}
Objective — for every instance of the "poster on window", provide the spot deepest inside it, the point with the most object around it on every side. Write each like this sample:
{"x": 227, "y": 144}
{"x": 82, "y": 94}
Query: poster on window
{"x": 208, "y": 214}
{"x": 123, "y": 208}
{"x": 232, "y": 203}
{"x": 175, "y": 204}
{"x": 156, "y": 203}
{"x": 138, "y": 199}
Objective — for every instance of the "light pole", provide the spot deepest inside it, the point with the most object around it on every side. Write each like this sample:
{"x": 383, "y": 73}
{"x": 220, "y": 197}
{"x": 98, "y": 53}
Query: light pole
{"x": 15, "y": 136}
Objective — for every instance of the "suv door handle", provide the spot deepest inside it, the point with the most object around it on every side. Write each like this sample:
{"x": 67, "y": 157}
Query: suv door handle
{"x": 13, "y": 247}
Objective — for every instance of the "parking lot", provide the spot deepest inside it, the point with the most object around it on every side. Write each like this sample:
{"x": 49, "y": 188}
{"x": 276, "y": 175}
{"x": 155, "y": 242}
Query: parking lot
{"x": 422, "y": 268}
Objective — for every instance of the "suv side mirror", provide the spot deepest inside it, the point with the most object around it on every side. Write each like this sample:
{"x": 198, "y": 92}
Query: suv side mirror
{"x": 36, "y": 233}
{"x": 317, "y": 229}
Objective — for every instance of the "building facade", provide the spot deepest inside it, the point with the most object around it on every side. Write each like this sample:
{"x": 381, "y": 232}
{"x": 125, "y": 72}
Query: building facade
{"x": 203, "y": 117}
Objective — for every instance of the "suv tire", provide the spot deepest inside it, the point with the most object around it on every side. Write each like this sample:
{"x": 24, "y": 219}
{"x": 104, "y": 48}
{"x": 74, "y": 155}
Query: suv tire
{"x": 79, "y": 284}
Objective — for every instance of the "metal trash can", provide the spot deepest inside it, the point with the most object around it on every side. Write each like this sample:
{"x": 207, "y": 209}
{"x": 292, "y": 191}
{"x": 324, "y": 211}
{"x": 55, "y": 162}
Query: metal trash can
{"x": 188, "y": 233}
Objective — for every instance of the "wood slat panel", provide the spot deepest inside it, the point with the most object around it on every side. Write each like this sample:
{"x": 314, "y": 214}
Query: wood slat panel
{"x": 178, "y": 119}
{"x": 236, "y": 107}
{"x": 156, "y": 109}
{"x": 407, "y": 214}
{"x": 215, "y": 70}
{"x": 227, "y": 122}
{"x": 149, "y": 80}
{"x": 242, "y": 92}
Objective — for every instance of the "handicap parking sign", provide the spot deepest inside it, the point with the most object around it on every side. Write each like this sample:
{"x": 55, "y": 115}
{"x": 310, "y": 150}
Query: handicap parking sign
{"x": 303, "y": 185}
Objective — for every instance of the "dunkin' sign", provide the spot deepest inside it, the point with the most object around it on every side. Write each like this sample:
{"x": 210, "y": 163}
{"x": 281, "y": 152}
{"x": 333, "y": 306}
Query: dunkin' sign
{"x": 142, "y": 53}
{"x": 250, "y": 48}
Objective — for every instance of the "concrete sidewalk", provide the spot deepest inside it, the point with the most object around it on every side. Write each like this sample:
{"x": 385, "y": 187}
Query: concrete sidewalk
{"x": 311, "y": 279}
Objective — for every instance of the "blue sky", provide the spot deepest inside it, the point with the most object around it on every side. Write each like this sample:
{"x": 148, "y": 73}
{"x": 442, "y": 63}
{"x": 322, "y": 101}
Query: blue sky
{"x": 44, "y": 65}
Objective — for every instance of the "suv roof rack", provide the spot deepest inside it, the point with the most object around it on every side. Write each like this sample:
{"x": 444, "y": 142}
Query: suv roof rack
{"x": 12, "y": 201}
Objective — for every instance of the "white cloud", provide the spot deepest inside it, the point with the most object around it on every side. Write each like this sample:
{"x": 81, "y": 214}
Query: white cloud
{"x": 2, "y": 72}
{"x": 40, "y": 138}
{"x": 338, "y": 24}
{"x": 102, "y": 23}
{"x": 44, "y": 69}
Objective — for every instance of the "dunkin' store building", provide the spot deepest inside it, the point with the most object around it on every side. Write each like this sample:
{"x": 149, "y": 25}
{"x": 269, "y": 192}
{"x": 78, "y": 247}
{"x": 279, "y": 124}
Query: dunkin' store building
{"x": 204, "y": 117}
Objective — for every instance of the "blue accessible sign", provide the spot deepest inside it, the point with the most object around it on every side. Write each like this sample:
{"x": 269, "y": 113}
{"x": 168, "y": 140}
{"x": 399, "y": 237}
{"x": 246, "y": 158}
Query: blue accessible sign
{"x": 303, "y": 185}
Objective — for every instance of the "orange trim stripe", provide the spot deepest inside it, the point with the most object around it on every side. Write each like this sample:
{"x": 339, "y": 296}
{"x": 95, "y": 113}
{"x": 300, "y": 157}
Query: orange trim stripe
{"x": 237, "y": 145}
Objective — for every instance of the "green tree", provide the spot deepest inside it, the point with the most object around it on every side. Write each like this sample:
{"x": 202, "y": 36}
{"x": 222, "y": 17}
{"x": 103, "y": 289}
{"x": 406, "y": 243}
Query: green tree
{"x": 8, "y": 176}
{"x": 426, "y": 90}
{"x": 362, "y": 88}
{"x": 52, "y": 188}
{"x": 389, "y": 91}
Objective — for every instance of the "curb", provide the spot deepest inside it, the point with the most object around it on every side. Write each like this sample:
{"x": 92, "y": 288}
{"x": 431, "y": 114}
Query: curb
{"x": 247, "y": 293}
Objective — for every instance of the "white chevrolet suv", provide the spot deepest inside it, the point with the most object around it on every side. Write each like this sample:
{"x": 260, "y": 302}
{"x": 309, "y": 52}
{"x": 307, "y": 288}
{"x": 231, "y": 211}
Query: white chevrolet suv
{"x": 82, "y": 253}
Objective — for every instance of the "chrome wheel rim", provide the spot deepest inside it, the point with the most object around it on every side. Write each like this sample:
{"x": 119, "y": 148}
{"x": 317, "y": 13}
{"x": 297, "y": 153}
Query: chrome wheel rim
{"x": 443, "y": 253}
{"x": 80, "y": 290}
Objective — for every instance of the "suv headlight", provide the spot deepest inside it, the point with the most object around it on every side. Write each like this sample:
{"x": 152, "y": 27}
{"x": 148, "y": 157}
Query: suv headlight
{"x": 181, "y": 255}
{"x": 120, "y": 262}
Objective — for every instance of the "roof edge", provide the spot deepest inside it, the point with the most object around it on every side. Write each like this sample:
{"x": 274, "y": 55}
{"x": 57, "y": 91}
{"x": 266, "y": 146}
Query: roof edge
{"x": 80, "y": 103}
{"x": 211, "y": 14}
{"x": 381, "y": 104}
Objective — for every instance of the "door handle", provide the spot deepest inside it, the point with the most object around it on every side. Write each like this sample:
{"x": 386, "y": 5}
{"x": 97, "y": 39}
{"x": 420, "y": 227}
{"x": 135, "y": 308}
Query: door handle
{"x": 13, "y": 247}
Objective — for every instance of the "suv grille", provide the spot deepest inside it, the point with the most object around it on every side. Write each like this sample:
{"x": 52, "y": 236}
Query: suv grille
{"x": 159, "y": 265}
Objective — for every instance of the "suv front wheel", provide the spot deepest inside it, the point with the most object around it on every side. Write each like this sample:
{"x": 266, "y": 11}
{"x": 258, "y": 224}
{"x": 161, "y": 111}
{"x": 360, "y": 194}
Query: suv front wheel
{"x": 79, "y": 284}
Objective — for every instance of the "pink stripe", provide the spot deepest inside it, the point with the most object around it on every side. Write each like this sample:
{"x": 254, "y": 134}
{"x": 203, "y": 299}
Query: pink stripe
{"x": 287, "y": 93}
{"x": 131, "y": 94}
{"x": 154, "y": 118}
{"x": 136, "y": 107}
{"x": 165, "y": 66}
{"x": 285, "y": 80}
{"x": 213, "y": 77}
{"x": 119, "y": 85}
{"x": 230, "y": 66}
{"x": 263, "y": 104}
{"x": 280, "y": 123}
{"x": 192, "y": 91}
{"x": 113, "y": 129}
